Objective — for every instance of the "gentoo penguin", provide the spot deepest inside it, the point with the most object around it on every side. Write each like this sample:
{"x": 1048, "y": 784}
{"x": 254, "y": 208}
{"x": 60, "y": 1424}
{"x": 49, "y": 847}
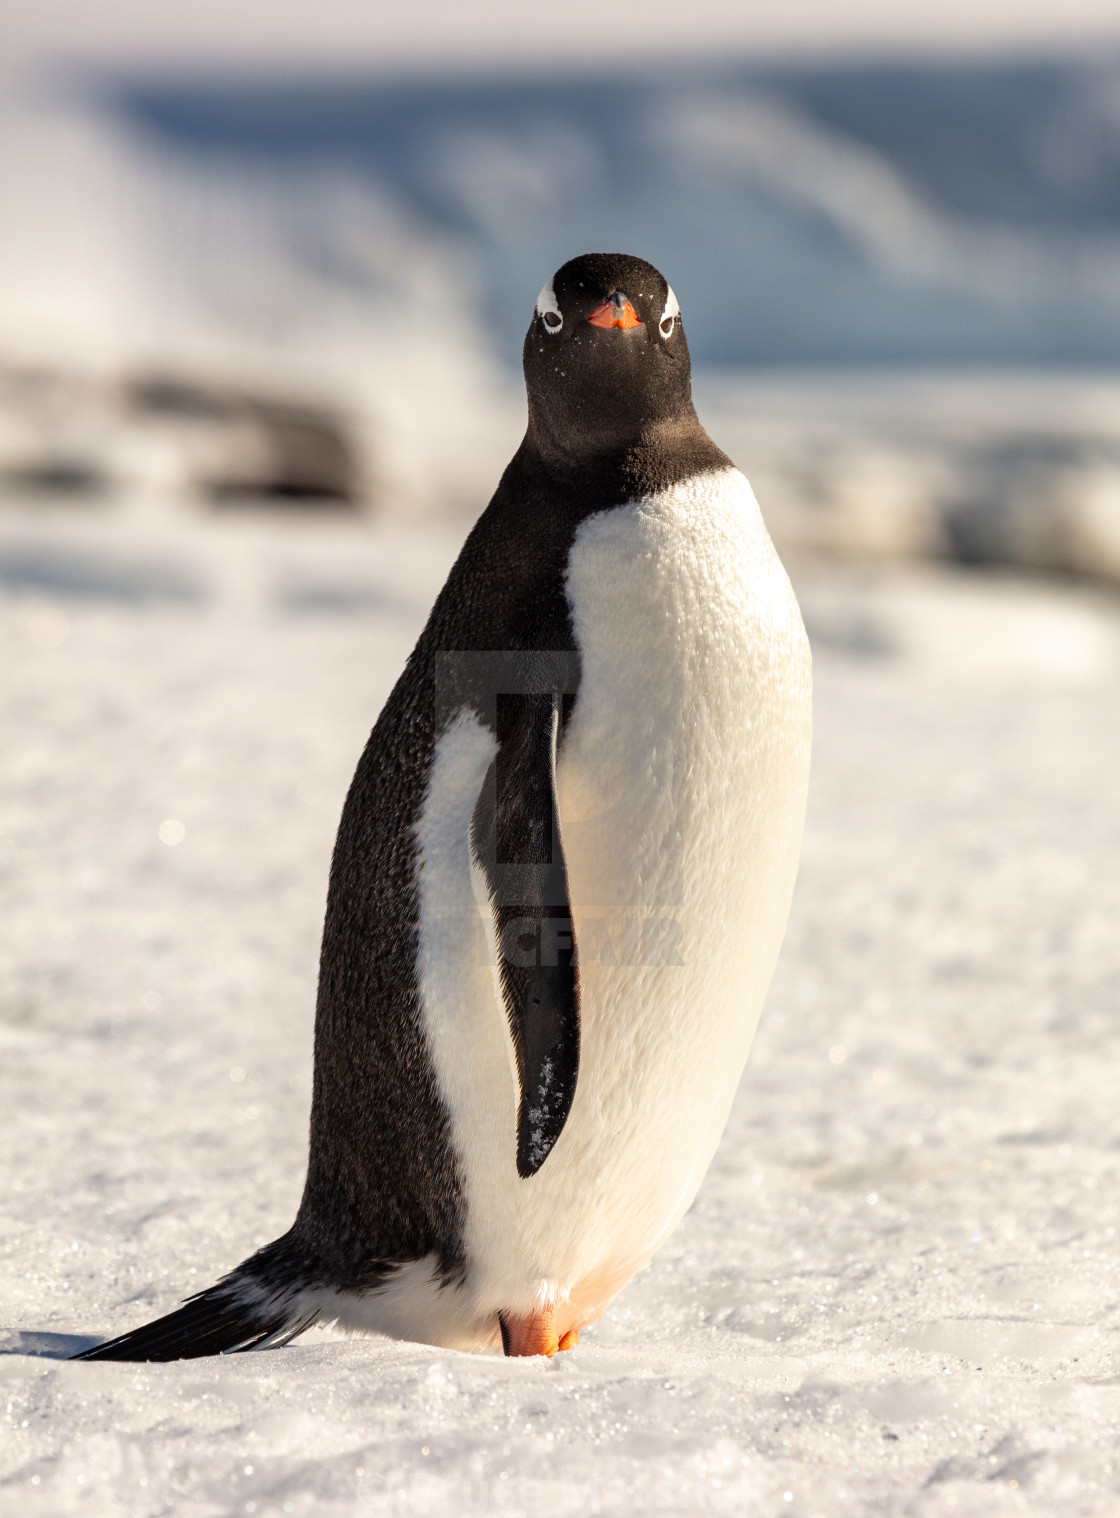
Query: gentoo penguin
{"x": 561, "y": 878}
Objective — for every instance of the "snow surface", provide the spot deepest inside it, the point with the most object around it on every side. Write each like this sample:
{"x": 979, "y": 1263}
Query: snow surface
{"x": 896, "y": 1291}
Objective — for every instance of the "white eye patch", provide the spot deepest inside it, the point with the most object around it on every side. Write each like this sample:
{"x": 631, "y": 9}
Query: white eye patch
{"x": 669, "y": 316}
{"x": 548, "y": 309}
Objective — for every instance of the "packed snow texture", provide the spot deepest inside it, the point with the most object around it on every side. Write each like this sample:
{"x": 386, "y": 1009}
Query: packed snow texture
{"x": 896, "y": 1290}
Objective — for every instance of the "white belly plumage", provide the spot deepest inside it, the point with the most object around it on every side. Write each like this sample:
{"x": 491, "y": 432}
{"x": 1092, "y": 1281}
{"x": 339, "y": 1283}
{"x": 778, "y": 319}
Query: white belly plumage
{"x": 682, "y": 780}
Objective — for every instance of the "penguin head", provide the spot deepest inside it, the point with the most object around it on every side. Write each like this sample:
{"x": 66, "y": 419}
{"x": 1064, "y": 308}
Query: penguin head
{"x": 605, "y": 357}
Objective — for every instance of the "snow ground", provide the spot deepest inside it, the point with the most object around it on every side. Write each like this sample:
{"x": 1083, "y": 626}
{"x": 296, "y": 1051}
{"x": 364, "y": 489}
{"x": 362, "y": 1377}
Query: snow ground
{"x": 896, "y": 1291}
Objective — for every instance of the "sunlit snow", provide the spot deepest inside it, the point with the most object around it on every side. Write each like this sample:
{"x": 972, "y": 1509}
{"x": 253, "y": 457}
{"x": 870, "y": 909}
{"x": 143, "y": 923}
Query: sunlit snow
{"x": 896, "y": 1292}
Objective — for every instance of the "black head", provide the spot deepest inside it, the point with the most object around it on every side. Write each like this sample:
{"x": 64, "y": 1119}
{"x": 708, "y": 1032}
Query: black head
{"x": 606, "y": 361}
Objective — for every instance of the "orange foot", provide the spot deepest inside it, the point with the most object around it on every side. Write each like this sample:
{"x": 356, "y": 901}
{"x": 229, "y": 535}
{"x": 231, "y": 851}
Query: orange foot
{"x": 535, "y": 1333}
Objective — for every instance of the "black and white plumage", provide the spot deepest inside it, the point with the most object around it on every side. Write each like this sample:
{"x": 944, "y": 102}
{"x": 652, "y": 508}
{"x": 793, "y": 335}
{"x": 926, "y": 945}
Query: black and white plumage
{"x": 561, "y": 877}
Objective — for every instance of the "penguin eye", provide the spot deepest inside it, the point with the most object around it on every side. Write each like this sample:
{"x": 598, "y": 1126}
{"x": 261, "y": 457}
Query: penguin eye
{"x": 548, "y": 309}
{"x": 670, "y": 316}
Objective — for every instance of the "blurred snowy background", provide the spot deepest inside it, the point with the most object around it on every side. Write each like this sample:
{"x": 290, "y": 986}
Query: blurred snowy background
{"x": 264, "y": 272}
{"x": 226, "y": 276}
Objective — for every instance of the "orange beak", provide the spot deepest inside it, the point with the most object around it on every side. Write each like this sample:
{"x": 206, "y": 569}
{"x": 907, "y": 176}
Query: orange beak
{"x": 615, "y": 312}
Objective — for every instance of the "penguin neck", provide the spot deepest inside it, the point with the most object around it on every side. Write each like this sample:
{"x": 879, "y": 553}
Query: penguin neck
{"x": 636, "y": 463}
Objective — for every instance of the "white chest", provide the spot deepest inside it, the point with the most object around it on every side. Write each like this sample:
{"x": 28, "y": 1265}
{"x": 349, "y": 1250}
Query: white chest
{"x": 692, "y": 724}
{"x": 682, "y": 781}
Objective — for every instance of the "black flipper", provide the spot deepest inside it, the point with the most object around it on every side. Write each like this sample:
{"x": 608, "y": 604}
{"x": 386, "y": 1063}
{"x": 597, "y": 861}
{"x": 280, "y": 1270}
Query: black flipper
{"x": 516, "y": 839}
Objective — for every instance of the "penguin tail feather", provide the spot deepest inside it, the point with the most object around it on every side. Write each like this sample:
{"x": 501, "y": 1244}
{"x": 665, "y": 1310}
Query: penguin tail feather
{"x": 233, "y": 1315}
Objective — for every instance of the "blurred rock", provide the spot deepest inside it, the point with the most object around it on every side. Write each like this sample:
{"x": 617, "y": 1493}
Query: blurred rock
{"x": 976, "y": 469}
{"x": 259, "y": 446}
{"x": 82, "y": 436}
